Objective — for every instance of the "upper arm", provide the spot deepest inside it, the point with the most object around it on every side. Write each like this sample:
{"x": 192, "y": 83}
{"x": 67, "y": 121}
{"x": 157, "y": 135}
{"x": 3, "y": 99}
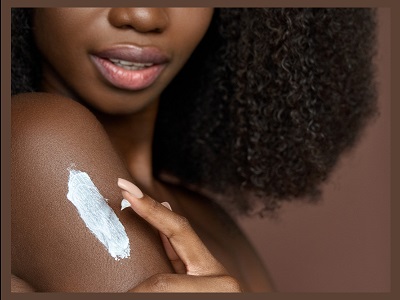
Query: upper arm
{"x": 52, "y": 247}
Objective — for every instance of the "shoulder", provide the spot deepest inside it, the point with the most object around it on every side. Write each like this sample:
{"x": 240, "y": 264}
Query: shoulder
{"x": 43, "y": 122}
{"x": 48, "y": 109}
{"x": 49, "y": 135}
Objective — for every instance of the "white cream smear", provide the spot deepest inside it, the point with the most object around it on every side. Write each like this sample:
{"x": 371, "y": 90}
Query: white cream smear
{"x": 98, "y": 216}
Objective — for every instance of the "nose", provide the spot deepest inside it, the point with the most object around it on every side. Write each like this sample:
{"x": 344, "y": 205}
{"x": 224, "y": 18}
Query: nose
{"x": 144, "y": 20}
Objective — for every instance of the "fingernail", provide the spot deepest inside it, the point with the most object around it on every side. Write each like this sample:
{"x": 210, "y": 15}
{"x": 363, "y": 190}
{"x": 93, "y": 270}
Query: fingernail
{"x": 166, "y": 204}
{"x": 130, "y": 188}
{"x": 124, "y": 204}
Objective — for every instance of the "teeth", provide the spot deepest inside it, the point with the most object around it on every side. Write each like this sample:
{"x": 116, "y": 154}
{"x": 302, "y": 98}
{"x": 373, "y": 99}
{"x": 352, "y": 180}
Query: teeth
{"x": 129, "y": 65}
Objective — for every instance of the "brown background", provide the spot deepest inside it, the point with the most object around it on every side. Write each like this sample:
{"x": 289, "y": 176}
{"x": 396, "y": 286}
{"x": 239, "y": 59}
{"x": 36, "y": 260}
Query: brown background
{"x": 343, "y": 243}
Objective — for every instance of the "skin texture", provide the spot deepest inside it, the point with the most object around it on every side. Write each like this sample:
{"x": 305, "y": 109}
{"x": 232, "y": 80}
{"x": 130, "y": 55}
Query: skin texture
{"x": 47, "y": 224}
{"x": 20, "y": 286}
{"x": 72, "y": 34}
{"x": 108, "y": 132}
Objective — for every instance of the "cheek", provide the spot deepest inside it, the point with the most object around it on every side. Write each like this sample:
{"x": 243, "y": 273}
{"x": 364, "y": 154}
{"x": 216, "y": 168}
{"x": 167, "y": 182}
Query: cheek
{"x": 59, "y": 30}
{"x": 51, "y": 31}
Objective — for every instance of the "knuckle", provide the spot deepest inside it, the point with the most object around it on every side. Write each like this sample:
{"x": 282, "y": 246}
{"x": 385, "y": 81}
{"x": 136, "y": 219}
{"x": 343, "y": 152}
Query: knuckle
{"x": 181, "y": 225}
{"x": 151, "y": 207}
{"x": 153, "y": 204}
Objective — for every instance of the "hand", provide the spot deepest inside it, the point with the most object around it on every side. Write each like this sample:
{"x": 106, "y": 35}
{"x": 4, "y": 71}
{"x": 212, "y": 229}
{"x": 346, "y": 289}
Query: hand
{"x": 196, "y": 268}
{"x": 20, "y": 286}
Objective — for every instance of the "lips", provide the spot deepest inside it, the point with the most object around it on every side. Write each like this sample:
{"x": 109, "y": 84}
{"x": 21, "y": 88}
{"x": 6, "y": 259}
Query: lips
{"x": 130, "y": 67}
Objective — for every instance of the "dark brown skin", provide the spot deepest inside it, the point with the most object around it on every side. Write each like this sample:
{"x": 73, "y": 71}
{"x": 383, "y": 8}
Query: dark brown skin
{"x": 52, "y": 250}
{"x": 46, "y": 141}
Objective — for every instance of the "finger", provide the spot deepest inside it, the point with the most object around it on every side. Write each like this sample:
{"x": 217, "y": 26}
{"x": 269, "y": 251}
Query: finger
{"x": 187, "y": 245}
{"x": 175, "y": 260}
{"x": 177, "y": 264}
{"x": 178, "y": 283}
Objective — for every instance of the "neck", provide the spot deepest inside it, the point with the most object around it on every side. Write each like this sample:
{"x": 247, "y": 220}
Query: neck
{"x": 132, "y": 136}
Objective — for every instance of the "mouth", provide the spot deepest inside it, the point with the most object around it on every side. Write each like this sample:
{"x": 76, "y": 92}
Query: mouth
{"x": 130, "y": 67}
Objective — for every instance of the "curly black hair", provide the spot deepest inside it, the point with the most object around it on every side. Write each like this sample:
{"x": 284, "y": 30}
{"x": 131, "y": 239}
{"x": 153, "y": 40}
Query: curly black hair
{"x": 264, "y": 107}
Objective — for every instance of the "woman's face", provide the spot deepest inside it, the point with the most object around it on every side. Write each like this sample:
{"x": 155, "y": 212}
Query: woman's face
{"x": 117, "y": 60}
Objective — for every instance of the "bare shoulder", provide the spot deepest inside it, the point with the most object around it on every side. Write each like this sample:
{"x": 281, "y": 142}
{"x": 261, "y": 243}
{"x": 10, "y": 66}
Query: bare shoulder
{"x": 54, "y": 248}
{"x": 37, "y": 116}
{"x": 49, "y": 111}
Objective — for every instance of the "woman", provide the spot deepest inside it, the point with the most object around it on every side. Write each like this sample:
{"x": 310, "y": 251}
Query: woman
{"x": 212, "y": 111}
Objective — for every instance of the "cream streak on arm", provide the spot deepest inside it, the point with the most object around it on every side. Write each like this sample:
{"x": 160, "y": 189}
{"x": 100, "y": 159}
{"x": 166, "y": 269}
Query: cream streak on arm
{"x": 98, "y": 216}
